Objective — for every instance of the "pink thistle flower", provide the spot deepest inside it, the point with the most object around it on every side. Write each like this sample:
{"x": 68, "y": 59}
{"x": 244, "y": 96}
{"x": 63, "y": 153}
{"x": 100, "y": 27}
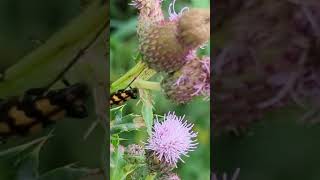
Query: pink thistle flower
{"x": 191, "y": 55}
{"x": 171, "y": 139}
{"x": 202, "y": 85}
{"x": 193, "y": 79}
{"x": 173, "y": 15}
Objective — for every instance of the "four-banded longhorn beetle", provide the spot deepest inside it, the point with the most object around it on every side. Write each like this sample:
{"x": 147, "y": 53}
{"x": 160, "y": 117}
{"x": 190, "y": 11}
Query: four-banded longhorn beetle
{"x": 38, "y": 108}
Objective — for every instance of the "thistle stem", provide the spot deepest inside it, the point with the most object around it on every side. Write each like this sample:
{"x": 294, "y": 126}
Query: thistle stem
{"x": 147, "y": 85}
{"x": 125, "y": 80}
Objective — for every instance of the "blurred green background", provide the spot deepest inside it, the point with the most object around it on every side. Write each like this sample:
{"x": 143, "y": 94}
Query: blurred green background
{"x": 123, "y": 48}
{"x": 24, "y": 26}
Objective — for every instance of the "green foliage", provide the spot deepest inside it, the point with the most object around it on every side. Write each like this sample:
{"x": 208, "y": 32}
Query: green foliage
{"x": 120, "y": 168}
{"x": 123, "y": 63}
{"x": 23, "y": 163}
{"x": 122, "y": 123}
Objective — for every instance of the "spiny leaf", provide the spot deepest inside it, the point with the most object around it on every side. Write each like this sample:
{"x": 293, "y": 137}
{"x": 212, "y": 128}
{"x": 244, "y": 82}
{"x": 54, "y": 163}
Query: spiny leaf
{"x": 116, "y": 113}
{"x": 23, "y": 147}
{"x": 127, "y": 119}
{"x": 27, "y": 166}
{"x": 116, "y": 129}
{"x": 126, "y": 123}
{"x": 21, "y": 162}
{"x": 117, "y": 163}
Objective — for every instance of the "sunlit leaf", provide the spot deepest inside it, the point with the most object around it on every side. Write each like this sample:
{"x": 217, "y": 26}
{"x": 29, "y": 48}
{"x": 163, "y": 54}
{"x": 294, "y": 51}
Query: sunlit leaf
{"x": 118, "y": 163}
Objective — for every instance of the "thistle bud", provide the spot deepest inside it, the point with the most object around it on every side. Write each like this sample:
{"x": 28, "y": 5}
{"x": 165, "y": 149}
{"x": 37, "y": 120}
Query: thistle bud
{"x": 149, "y": 13}
{"x": 156, "y": 165}
{"x": 165, "y": 43}
{"x": 161, "y": 49}
{"x": 134, "y": 154}
{"x": 194, "y": 27}
{"x": 191, "y": 80}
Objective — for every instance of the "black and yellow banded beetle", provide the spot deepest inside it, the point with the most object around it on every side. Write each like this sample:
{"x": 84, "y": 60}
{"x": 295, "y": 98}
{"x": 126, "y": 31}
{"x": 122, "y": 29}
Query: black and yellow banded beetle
{"x": 123, "y": 95}
{"x": 38, "y": 108}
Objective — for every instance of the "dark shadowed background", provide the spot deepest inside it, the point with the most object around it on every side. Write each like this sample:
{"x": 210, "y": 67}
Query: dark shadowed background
{"x": 25, "y": 25}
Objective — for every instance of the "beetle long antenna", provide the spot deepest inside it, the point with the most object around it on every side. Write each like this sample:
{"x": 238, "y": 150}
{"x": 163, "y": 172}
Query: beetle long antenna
{"x": 134, "y": 79}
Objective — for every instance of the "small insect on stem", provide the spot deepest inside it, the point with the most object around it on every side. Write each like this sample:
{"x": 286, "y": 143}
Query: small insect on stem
{"x": 123, "y": 95}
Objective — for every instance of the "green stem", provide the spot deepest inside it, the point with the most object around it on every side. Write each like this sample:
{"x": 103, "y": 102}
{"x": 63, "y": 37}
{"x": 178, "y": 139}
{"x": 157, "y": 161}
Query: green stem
{"x": 125, "y": 80}
{"x": 122, "y": 81}
{"x": 140, "y": 83}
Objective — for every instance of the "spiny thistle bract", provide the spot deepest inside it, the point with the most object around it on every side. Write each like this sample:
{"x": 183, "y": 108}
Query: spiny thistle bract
{"x": 193, "y": 79}
{"x": 165, "y": 43}
{"x": 171, "y": 138}
{"x": 156, "y": 165}
{"x": 161, "y": 49}
{"x": 134, "y": 154}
